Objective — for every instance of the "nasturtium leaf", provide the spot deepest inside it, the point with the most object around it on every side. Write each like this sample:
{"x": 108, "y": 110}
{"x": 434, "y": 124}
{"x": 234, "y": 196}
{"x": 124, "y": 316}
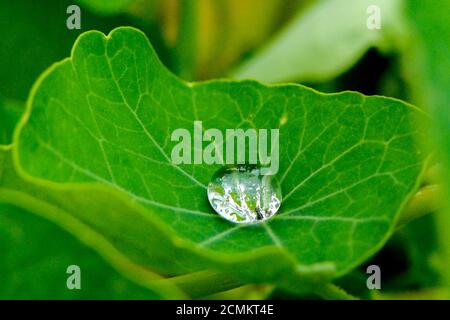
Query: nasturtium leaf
{"x": 348, "y": 162}
{"x": 35, "y": 255}
{"x": 324, "y": 40}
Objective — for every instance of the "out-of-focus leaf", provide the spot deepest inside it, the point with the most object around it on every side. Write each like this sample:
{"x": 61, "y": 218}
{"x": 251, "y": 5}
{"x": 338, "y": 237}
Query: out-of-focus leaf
{"x": 323, "y": 41}
{"x": 427, "y": 65}
{"x": 207, "y": 40}
{"x": 10, "y": 112}
{"x": 422, "y": 245}
{"x": 35, "y": 255}
{"x": 108, "y": 7}
{"x": 36, "y": 36}
{"x": 226, "y": 29}
{"x": 230, "y": 28}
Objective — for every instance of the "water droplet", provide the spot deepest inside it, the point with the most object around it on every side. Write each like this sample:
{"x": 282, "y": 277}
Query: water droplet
{"x": 242, "y": 194}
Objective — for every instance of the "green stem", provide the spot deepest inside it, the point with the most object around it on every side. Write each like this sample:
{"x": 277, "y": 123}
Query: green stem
{"x": 330, "y": 291}
{"x": 204, "y": 283}
{"x": 247, "y": 292}
{"x": 432, "y": 174}
{"x": 187, "y": 40}
{"x": 425, "y": 201}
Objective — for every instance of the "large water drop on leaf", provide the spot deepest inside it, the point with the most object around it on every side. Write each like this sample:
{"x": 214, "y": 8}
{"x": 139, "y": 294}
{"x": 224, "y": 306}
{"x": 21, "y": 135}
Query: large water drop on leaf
{"x": 242, "y": 194}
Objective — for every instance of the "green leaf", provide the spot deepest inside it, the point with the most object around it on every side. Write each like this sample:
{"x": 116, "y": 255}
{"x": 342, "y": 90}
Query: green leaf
{"x": 322, "y": 42}
{"x": 348, "y": 164}
{"x": 427, "y": 63}
{"x": 35, "y": 257}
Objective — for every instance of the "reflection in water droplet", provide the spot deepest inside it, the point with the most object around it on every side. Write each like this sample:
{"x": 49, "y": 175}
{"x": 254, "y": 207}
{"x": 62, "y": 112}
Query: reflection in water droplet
{"x": 242, "y": 194}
